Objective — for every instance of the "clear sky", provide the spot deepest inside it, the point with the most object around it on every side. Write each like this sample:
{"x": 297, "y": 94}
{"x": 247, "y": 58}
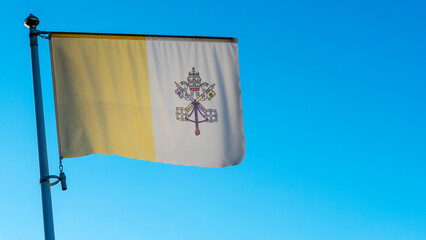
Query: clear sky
{"x": 334, "y": 117}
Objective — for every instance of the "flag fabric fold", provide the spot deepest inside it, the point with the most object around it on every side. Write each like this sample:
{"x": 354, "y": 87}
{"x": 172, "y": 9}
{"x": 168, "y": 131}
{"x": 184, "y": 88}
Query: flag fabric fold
{"x": 166, "y": 99}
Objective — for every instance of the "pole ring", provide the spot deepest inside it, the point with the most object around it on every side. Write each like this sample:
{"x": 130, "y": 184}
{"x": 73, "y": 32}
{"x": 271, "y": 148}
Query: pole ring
{"x": 48, "y": 177}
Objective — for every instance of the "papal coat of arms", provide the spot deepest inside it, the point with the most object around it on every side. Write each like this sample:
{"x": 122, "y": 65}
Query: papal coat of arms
{"x": 195, "y": 112}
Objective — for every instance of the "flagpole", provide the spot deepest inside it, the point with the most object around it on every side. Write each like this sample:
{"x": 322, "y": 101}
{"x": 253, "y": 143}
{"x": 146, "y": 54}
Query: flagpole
{"x": 32, "y": 22}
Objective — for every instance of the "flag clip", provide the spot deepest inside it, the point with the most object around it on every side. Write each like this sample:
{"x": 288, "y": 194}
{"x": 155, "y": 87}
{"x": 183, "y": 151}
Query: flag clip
{"x": 61, "y": 178}
{"x": 47, "y": 36}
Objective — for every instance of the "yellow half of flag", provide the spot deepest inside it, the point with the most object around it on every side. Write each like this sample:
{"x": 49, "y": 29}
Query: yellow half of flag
{"x": 110, "y": 111}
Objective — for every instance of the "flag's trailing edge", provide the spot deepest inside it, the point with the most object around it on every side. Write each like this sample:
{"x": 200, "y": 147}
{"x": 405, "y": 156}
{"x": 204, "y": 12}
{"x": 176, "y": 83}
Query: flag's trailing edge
{"x": 167, "y": 99}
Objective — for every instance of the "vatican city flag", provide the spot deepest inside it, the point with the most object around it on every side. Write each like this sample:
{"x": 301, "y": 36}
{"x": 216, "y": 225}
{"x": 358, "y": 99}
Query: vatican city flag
{"x": 165, "y": 99}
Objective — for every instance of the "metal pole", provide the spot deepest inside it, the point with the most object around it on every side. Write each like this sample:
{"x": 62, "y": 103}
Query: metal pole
{"x": 31, "y": 22}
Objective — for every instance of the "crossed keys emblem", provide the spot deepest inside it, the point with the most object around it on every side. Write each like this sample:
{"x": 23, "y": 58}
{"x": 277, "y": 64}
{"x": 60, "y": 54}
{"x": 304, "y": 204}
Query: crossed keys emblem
{"x": 195, "y": 108}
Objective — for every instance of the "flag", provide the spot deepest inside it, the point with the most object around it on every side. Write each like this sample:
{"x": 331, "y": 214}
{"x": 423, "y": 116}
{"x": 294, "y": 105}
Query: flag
{"x": 166, "y": 99}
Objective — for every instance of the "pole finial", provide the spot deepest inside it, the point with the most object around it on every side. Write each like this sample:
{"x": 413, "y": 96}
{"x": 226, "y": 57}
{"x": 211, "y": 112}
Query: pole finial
{"x": 31, "y": 21}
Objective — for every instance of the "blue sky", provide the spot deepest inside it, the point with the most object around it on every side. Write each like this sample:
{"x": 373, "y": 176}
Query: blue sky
{"x": 334, "y": 117}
